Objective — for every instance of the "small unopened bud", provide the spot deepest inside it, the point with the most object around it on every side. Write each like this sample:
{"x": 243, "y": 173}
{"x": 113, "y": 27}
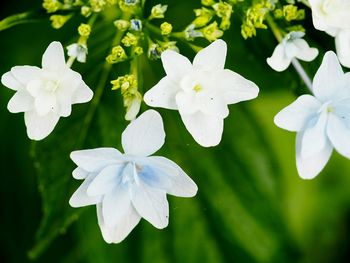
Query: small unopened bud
{"x": 166, "y": 28}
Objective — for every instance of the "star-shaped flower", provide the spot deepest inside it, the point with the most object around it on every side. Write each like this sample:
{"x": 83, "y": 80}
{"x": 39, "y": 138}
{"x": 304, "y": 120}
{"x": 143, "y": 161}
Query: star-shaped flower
{"x": 45, "y": 94}
{"x": 332, "y": 16}
{"x": 291, "y": 47}
{"x": 322, "y": 121}
{"x": 200, "y": 91}
{"x": 126, "y": 187}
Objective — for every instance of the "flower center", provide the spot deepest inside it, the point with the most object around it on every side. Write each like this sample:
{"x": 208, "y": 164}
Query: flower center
{"x": 197, "y": 88}
{"x": 51, "y": 85}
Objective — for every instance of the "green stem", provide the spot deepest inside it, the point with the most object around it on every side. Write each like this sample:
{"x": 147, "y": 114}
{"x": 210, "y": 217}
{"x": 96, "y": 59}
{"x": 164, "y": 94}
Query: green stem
{"x": 21, "y": 18}
{"x": 274, "y": 28}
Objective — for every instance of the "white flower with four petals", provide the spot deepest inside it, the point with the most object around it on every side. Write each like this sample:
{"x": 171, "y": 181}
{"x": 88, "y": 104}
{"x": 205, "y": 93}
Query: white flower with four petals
{"x": 45, "y": 94}
{"x": 200, "y": 92}
{"x": 126, "y": 187}
{"x": 322, "y": 120}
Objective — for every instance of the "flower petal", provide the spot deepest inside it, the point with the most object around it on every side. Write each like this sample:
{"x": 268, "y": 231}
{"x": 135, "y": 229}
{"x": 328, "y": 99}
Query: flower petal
{"x": 46, "y": 102}
{"x": 145, "y": 135}
{"x": 116, "y": 206}
{"x": 304, "y": 51}
{"x": 167, "y": 175}
{"x": 8, "y": 80}
{"x": 20, "y": 102}
{"x": 53, "y": 58}
{"x": 151, "y": 204}
{"x": 175, "y": 64}
{"x": 211, "y": 57}
{"x": 186, "y": 102}
{"x": 315, "y": 136}
{"x": 39, "y": 127}
{"x": 206, "y": 130}
{"x": 295, "y": 116}
{"x": 25, "y": 74}
{"x": 328, "y": 79}
{"x": 310, "y": 167}
{"x": 82, "y": 94}
{"x": 93, "y": 160}
{"x": 79, "y": 173}
{"x": 339, "y": 134}
{"x": 162, "y": 94}
{"x": 81, "y": 198}
{"x": 234, "y": 87}
{"x": 212, "y": 104}
{"x": 342, "y": 44}
{"x": 118, "y": 233}
{"x": 279, "y": 60}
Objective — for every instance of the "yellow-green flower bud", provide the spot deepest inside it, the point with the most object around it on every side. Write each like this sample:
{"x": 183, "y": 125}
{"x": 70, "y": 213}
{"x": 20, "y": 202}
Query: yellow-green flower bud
{"x": 51, "y": 6}
{"x": 158, "y": 11}
{"x": 58, "y": 21}
{"x": 117, "y": 55}
{"x": 212, "y": 32}
{"x": 84, "y": 30}
{"x": 203, "y": 17}
{"x": 112, "y": 2}
{"x": 138, "y": 51}
{"x": 225, "y": 24}
{"x": 97, "y": 5}
{"x": 129, "y": 40}
{"x": 208, "y": 2}
{"x": 290, "y": 12}
{"x": 223, "y": 9}
{"x": 85, "y": 11}
{"x": 278, "y": 13}
{"x": 248, "y": 30}
{"x": 166, "y": 28}
{"x": 122, "y": 25}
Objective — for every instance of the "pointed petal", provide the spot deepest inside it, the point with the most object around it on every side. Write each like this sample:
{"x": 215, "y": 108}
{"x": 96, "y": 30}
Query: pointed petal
{"x": 118, "y": 233}
{"x": 186, "y": 102}
{"x": 342, "y": 44}
{"x": 212, "y": 104}
{"x": 82, "y": 94}
{"x": 279, "y": 60}
{"x": 25, "y": 74}
{"x": 162, "y": 94}
{"x": 175, "y": 64}
{"x": 212, "y": 57}
{"x": 315, "y": 136}
{"x": 151, "y": 204}
{"x": 79, "y": 173}
{"x": 295, "y": 116}
{"x": 145, "y": 135}
{"x": 328, "y": 79}
{"x": 39, "y": 127}
{"x": 93, "y": 160}
{"x": 165, "y": 174}
{"x": 206, "y": 130}
{"x": 106, "y": 180}
{"x": 8, "y": 80}
{"x": 81, "y": 198}
{"x": 339, "y": 134}
{"x": 234, "y": 87}
{"x": 20, "y": 102}
{"x": 53, "y": 58}
{"x": 310, "y": 167}
{"x": 116, "y": 206}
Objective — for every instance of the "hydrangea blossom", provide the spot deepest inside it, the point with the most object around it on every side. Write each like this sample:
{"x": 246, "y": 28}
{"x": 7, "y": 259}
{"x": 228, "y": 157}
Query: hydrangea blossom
{"x": 45, "y": 94}
{"x": 201, "y": 91}
{"x": 291, "y": 47}
{"x": 322, "y": 120}
{"x": 332, "y": 16}
{"x": 126, "y": 187}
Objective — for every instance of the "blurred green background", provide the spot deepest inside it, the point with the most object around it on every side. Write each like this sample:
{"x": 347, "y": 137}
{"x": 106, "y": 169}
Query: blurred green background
{"x": 251, "y": 205}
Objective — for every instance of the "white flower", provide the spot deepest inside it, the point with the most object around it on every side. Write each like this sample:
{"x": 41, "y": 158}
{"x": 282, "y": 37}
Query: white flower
{"x": 292, "y": 46}
{"x": 332, "y": 16}
{"x": 321, "y": 121}
{"x": 201, "y": 92}
{"x": 78, "y": 51}
{"x": 126, "y": 187}
{"x": 45, "y": 94}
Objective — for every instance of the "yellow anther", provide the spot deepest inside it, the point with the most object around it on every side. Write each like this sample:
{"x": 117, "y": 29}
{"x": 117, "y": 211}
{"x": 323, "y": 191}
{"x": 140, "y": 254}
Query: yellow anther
{"x": 197, "y": 88}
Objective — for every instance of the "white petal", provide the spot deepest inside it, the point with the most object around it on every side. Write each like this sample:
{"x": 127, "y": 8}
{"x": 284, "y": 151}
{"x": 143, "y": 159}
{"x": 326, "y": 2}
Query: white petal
{"x": 8, "y": 80}
{"x": 53, "y": 58}
{"x": 81, "y": 198}
{"x": 212, "y": 104}
{"x": 186, "y": 102}
{"x": 93, "y": 160}
{"x": 212, "y": 57}
{"x": 133, "y": 109}
{"x": 116, "y": 206}
{"x": 20, "y": 102}
{"x": 118, "y": 233}
{"x": 79, "y": 173}
{"x": 46, "y": 102}
{"x": 39, "y": 127}
{"x": 234, "y": 87}
{"x": 315, "y": 136}
{"x": 310, "y": 167}
{"x": 304, "y": 52}
{"x": 329, "y": 77}
{"x": 82, "y": 94}
{"x": 279, "y": 60}
{"x": 206, "y": 130}
{"x": 342, "y": 43}
{"x": 106, "y": 180}
{"x": 145, "y": 135}
{"x": 25, "y": 74}
{"x": 165, "y": 174}
{"x": 339, "y": 134}
{"x": 175, "y": 64}
{"x": 162, "y": 94}
{"x": 295, "y": 116}
{"x": 151, "y": 204}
